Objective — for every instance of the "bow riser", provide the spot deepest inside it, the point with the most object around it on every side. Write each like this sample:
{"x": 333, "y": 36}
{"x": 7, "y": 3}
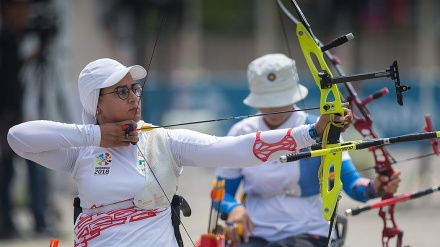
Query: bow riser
{"x": 330, "y": 196}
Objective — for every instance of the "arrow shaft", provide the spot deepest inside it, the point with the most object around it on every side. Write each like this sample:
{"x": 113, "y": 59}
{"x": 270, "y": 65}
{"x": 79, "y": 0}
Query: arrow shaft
{"x": 392, "y": 201}
{"x": 357, "y": 145}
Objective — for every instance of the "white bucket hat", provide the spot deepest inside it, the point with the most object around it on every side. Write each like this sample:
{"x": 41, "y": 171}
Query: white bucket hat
{"x": 102, "y": 73}
{"x": 273, "y": 82}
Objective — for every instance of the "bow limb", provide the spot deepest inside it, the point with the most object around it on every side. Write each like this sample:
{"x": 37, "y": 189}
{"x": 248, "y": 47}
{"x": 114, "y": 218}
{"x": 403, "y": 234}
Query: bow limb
{"x": 363, "y": 124}
{"x": 147, "y": 164}
{"x": 330, "y": 196}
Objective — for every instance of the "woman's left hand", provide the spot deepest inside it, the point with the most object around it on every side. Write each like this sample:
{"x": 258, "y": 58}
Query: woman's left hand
{"x": 347, "y": 119}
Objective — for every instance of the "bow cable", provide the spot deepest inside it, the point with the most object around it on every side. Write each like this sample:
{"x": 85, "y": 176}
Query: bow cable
{"x": 139, "y": 149}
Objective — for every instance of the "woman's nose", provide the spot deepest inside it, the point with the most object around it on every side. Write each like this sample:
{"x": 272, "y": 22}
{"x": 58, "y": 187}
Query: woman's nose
{"x": 132, "y": 97}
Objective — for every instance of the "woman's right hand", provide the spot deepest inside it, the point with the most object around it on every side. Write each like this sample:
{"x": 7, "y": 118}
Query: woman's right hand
{"x": 113, "y": 135}
{"x": 238, "y": 215}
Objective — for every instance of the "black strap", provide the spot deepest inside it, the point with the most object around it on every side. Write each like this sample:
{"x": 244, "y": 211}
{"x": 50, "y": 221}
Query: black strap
{"x": 77, "y": 209}
{"x": 179, "y": 204}
{"x": 175, "y": 219}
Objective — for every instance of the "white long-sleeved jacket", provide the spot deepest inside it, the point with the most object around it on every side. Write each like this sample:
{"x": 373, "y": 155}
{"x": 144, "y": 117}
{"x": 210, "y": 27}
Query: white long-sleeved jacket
{"x": 105, "y": 176}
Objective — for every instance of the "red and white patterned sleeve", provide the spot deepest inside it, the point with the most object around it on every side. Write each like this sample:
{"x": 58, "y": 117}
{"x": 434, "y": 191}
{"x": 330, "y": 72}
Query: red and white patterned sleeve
{"x": 192, "y": 148}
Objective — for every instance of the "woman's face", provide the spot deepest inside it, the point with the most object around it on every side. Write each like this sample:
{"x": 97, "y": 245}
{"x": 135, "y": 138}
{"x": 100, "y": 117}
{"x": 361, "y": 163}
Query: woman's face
{"x": 111, "y": 108}
{"x": 274, "y": 121}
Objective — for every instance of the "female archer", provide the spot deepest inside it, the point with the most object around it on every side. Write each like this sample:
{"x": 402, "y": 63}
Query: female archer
{"x": 125, "y": 189}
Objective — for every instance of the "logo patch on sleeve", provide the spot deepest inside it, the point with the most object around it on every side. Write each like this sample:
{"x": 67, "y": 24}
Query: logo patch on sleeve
{"x": 103, "y": 164}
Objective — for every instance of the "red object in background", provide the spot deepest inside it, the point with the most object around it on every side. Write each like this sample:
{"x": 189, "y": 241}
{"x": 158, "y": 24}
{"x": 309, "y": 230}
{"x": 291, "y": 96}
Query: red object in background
{"x": 429, "y": 128}
{"x": 54, "y": 242}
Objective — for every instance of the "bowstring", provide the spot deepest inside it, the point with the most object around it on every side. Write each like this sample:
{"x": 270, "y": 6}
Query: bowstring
{"x": 286, "y": 39}
{"x": 139, "y": 102}
{"x": 231, "y": 118}
{"x": 289, "y": 15}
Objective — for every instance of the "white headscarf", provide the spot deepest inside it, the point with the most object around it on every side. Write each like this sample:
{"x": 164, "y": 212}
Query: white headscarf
{"x": 101, "y": 73}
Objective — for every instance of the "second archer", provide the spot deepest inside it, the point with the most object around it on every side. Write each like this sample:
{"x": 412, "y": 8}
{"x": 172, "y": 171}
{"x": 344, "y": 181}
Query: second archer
{"x": 283, "y": 205}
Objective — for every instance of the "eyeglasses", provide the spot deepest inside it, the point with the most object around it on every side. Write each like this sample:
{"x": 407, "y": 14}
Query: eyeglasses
{"x": 123, "y": 91}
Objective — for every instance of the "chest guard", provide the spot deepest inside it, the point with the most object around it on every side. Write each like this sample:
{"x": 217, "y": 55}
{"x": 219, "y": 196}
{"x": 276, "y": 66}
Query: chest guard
{"x": 159, "y": 159}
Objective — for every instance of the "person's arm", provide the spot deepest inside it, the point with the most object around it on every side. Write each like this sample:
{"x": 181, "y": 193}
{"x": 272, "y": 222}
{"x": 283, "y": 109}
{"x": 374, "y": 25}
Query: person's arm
{"x": 236, "y": 212}
{"x": 56, "y": 145}
{"x": 355, "y": 186}
{"x": 363, "y": 189}
{"x": 229, "y": 202}
{"x": 52, "y": 144}
{"x": 191, "y": 148}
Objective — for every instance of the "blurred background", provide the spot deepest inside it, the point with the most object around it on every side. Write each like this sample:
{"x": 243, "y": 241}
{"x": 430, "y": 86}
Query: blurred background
{"x": 197, "y": 54}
